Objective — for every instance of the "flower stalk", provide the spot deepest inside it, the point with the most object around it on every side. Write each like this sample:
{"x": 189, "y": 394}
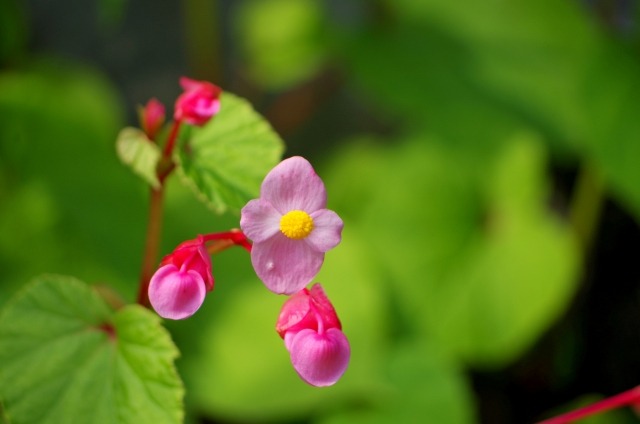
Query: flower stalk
{"x": 630, "y": 397}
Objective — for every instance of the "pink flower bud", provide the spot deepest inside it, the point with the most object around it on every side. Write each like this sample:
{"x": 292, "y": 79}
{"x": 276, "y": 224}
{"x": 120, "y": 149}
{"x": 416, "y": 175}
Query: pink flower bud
{"x": 152, "y": 117}
{"x": 179, "y": 286}
{"x": 199, "y": 102}
{"x": 320, "y": 359}
{"x": 312, "y": 334}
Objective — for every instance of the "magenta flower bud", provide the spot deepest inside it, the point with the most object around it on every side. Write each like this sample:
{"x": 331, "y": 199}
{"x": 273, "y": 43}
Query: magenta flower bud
{"x": 311, "y": 330}
{"x": 320, "y": 359}
{"x": 178, "y": 288}
{"x": 198, "y": 103}
{"x": 152, "y": 117}
{"x": 290, "y": 227}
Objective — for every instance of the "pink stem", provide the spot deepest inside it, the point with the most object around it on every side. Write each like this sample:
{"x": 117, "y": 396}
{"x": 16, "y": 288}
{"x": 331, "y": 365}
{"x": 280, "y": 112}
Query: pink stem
{"x": 237, "y": 237}
{"x": 623, "y": 399}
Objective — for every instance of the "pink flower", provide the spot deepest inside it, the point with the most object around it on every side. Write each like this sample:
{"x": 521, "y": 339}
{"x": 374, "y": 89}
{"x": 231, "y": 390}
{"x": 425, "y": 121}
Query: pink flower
{"x": 312, "y": 334}
{"x": 152, "y": 117}
{"x": 199, "y": 102}
{"x": 179, "y": 286}
{"x": 290, "y": 228}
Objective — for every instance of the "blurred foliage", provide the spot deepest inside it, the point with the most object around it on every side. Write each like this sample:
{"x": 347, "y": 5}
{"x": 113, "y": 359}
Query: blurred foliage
{"x": 457, "y": 254}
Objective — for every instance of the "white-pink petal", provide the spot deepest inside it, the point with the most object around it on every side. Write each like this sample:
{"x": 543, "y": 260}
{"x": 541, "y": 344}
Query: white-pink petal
{"x": 327, "y": 230}
{"x": 294, "y": 185}
{"x": 319, "y": 359}
{"x": 284, "y": 265}
{"x": 259, "y": 220}
{"x": 176, "y": 294}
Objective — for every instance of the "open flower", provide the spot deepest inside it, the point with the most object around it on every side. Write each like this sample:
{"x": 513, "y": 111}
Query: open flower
{"x": 290, "y": 227}
{"x": 199, "y": 102}
{"x": 179, "y": 286}
{"x": 312, "y": 333}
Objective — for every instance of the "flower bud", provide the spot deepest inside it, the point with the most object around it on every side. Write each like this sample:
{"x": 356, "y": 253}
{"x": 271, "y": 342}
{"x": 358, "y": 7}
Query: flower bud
{"x": 312, "y": 334}
{"x": 152, "y": 117}
{"x": 198, "y": 103}
{"x": 178, "y": 287}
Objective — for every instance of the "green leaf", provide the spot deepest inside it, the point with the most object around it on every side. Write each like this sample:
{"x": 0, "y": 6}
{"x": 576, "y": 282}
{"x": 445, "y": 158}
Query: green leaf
{"x": 140, "y": 153}
{"x": 226, "y": 160}
{"x": 66, "y": 357}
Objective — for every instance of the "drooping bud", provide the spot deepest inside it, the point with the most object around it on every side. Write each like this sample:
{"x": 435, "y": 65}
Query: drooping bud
{"x": 311, "y": 330}
{"x": 178, "y": 288}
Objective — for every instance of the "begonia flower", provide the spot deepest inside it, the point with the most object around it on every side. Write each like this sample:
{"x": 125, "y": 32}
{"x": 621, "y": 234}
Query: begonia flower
{"x": 178, "y": 287}
{"x": 198, "y": 103}
{"x": 152, "y": 117}
{"x": 290, "y": 227}
{"x": 312, "y": 334}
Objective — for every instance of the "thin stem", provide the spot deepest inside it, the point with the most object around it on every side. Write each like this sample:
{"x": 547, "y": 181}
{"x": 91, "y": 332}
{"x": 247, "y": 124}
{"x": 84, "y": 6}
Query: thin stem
{"x": 154, "y": 225}
{"x": 227, "y": 239}
{"x": 152, "y": 245}
{"x": 171, "y": 140}
{"x": 623, "y": 399}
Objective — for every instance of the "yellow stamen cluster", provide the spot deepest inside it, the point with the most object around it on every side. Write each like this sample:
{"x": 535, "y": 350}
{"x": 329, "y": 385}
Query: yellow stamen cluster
{"x": 296, "y": 224}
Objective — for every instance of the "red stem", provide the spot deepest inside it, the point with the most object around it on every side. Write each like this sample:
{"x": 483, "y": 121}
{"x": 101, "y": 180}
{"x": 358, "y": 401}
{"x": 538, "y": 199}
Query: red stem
{"x": 623, "y": 399}
{"x": 152, "y": 244}
{"x": 171, "y": 140}
{"x": 154, "y": 226}
{"x": 237, "y": 237}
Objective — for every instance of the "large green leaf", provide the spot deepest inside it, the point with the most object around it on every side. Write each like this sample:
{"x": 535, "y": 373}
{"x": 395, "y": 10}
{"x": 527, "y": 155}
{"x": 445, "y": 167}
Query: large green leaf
{"x": 66, "y": 357}
{"x": 226, "y": 160}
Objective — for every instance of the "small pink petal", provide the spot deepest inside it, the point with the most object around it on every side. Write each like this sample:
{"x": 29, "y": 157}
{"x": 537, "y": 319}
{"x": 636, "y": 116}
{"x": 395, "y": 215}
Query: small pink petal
{"x": 295, "y": 314}
{"x": 303, "y": 310}
{"x": 259, "y": 220}
{"x": 294, "y": 185}
{"x": 284, "y": 265}
{"x": 324, "y": 307}
{"x": 327, "y": 230}
{"x": 175, "y": 294}
{"x": 320, "y": 359}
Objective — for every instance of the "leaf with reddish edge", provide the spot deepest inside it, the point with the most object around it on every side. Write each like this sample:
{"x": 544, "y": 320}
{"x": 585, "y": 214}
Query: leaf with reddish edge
{"x": 61, "y": 345}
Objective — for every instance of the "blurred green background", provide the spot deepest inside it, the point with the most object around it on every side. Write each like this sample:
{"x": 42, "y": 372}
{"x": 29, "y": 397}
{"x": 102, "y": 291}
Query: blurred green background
{"x": 485, "y": 157}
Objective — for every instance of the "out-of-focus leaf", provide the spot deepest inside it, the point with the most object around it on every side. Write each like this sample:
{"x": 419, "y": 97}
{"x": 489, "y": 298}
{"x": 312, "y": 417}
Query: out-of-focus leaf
{"x": 242, "y": 371}
{"x": 226, "y": 160}
{"x": 139, "y": 153}
{"x": 547, "y": 62}
{"x": 67, "y": 203}
{"x": 475, "y": 258}
{"x": 60, "y": 346}
{"x": 424, "y": 383}
{"x": 283, "y": 41}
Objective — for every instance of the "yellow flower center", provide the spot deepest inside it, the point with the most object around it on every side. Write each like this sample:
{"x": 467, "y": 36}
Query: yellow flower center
{"x": 296, "y": 224}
